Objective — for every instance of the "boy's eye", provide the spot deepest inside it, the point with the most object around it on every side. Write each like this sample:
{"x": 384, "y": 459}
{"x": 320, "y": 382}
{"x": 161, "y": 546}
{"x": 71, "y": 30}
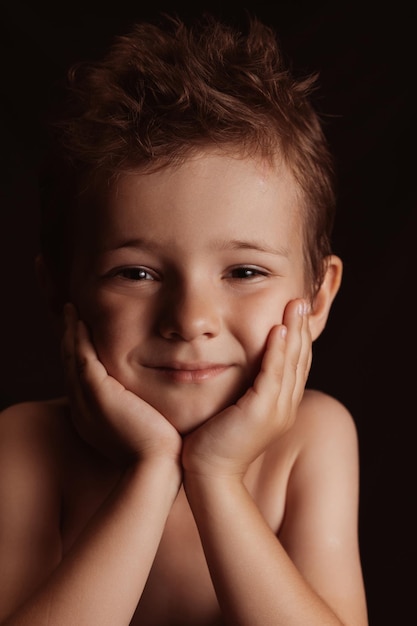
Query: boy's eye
{"x": 134, "y": 273}
{"x": 245, "y": 272}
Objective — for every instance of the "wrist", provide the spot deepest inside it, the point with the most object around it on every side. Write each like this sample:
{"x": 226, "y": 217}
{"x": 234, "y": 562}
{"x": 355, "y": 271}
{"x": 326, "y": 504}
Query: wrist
{"x": 208, "y": 484}
{"x": 207, "y": 494}
{"x": 213, "y": 469}
{"x": 163, "y": 470}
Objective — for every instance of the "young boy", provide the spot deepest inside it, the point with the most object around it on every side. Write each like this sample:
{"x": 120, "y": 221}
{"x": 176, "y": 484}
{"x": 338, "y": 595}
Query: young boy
{"x": 189, "y": 479}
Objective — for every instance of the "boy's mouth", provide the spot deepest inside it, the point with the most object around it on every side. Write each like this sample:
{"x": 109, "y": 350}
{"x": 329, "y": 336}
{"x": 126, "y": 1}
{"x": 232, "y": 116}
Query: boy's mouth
{"x": 191, "y": 372}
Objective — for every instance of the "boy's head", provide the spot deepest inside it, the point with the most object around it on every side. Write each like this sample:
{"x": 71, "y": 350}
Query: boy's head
{"x": 161, "y": 94}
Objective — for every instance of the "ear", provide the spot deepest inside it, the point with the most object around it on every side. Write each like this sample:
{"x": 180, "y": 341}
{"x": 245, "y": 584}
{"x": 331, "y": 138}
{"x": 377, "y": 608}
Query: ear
{"x": 324, "y": 298}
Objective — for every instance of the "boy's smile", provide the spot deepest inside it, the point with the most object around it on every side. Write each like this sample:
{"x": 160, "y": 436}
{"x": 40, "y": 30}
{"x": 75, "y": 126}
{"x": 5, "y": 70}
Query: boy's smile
{"x": 185, "y": 272}
{"x": 190, "y": 372}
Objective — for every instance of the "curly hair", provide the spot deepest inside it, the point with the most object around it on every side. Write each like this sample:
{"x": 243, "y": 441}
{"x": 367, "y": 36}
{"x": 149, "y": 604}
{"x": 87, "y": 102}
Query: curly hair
{"x": 167, "y": 89}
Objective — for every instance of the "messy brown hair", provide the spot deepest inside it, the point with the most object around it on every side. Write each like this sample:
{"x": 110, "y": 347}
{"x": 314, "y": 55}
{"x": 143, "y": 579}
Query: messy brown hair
{"x": 167, "y": 88}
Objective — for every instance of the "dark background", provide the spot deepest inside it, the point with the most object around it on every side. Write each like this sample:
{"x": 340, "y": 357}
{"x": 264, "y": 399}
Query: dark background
{"x": 366, "y": 56}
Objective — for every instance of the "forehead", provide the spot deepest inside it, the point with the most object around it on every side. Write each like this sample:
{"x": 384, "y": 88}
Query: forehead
{"x": 210, "y": 198}
{"x": 209, "y": 192}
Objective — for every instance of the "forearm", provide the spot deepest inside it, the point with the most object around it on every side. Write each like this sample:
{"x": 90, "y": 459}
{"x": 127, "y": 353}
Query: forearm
{"x": 255, "y": 580}
{"x": 102, "y": 577}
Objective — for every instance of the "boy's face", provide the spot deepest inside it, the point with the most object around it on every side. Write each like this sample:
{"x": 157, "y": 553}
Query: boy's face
{"x": 183, "y": 273}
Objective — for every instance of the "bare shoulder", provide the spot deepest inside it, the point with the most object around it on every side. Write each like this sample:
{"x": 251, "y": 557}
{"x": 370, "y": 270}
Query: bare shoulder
{"x": 325, "y": 466}
{"x": 40, "y": 450}
{"x": 33, "y": 438}
{"x": 321, "y": 448}
{"x": 33, "y": 415}
{"x": 323, "y": 452}
{"x": 323, "y": 421}
{"x": 32, "y": 427}
{"x": 320, "y": 526}
{"x": 31, "y": 434}
{"x": 30, "y": 438}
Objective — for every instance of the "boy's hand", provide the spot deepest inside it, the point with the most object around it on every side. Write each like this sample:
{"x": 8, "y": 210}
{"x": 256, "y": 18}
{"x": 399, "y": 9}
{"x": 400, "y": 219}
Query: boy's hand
{"x": 231, "y": 440}
{"x": 106, "y": 415}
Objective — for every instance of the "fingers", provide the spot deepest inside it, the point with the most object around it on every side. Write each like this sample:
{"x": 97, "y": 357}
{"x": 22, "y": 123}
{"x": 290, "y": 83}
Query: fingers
{"x": 106, "y": 415}
{"x": 281, "y": 381}
{"x": 85, "y": 375}
{"x": 298, "y": 349}
{"x": 74, "y": 367}
{"x": 266, "y": 411}
{"x": 79, "y": 354}
{"x": 272, "y": 367}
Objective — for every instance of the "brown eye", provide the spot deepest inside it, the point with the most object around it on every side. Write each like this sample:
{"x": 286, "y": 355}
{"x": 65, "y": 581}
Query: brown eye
{"x": 245, "y": 272}
{"x": 134, "y": 273}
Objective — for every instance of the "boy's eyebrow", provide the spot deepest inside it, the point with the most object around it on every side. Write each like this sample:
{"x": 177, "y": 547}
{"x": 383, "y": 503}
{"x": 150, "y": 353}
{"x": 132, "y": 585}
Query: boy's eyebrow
{"x": 144, "y": 244}
{"x": 260, "y": 246}
{"x": 232, "y": 244}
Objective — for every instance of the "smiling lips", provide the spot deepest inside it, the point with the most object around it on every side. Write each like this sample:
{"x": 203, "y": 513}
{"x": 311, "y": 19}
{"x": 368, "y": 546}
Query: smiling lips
{"x": 191, "y": 372}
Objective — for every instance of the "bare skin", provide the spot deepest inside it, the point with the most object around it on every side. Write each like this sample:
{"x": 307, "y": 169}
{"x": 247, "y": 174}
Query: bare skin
{"x": 231, "y": 498}
{"x": 179, "y": 589}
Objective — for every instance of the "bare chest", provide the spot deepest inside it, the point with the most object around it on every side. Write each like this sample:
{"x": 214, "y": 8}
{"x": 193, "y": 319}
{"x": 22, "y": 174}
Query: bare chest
{"x": 179, "y": 590}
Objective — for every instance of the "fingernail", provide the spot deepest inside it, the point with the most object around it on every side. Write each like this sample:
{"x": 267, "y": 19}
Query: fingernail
{"x": 304, "y": 308}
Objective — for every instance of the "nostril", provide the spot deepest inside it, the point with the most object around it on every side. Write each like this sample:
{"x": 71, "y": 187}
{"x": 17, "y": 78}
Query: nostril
{"x": 189, "y": 319}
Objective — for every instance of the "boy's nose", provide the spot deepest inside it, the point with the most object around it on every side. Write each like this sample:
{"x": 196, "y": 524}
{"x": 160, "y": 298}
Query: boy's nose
{"x": 189, "y": 313}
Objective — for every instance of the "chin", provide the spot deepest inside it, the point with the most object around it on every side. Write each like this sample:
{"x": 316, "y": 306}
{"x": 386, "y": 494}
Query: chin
{"x": 186, "y": 412}
{"x": 189, "y": 416}
{"x": 188, "y": 407}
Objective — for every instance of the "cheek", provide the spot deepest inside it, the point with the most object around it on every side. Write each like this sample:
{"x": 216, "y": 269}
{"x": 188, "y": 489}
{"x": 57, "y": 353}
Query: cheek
{"x": 115, "y": 324}
{"x": 108, "y": 309}
{"x": 254, "y": 323}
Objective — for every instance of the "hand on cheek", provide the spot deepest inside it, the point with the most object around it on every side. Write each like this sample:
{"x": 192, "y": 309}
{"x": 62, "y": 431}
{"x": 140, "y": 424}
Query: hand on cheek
{"x": 231, "y": 440}
{"x": 106, "y": 415}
